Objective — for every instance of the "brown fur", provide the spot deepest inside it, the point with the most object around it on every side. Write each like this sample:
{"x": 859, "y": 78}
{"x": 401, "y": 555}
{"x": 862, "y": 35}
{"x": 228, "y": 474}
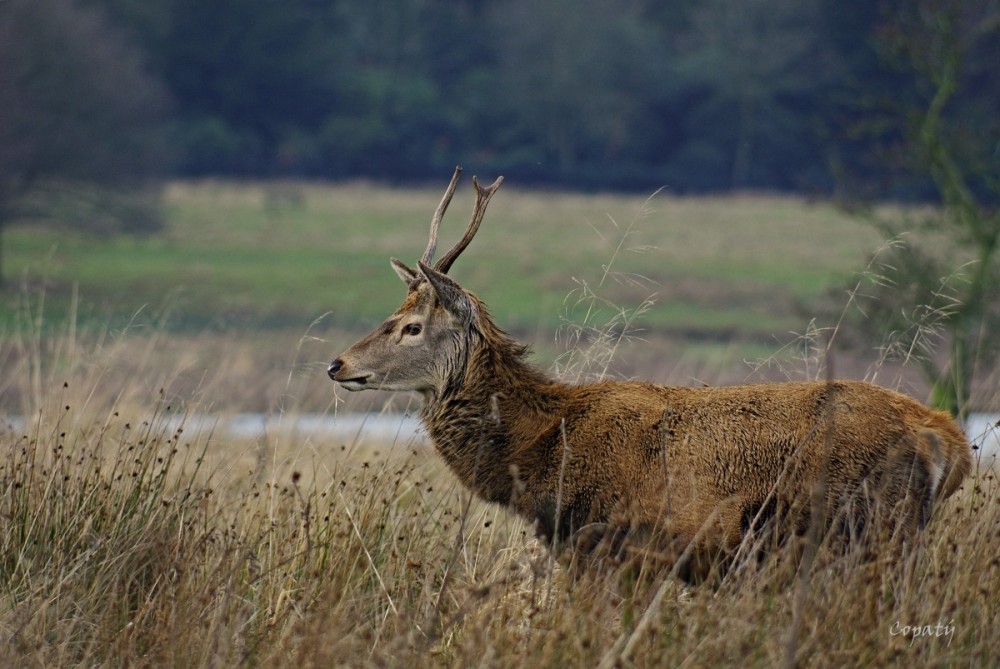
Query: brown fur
{"x": 612, "y": 460}
{"x": 688, "y": 462}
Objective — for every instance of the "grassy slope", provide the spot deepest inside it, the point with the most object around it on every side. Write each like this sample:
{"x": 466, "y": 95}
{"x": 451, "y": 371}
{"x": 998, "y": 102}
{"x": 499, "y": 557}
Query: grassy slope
{"x": 283, "y": 254}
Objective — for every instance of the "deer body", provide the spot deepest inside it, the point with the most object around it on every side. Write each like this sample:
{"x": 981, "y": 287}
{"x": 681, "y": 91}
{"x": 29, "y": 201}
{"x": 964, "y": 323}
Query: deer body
{"x": 615, "y": 459}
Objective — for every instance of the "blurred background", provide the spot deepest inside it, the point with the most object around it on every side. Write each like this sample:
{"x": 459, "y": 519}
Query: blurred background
{"x": 715, "y": 95}
{"x": 171, "y": 155}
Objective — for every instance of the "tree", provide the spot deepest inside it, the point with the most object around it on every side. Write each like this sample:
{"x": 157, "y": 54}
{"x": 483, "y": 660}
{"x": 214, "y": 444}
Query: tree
{"x": 574, "y": 82}
{"x": 77, "y": 114}
{"x": 938, "y": 129}
{"x": 389, "y": 116}
{"x": 753, "y": 69}
{"x": 250, "y": 76}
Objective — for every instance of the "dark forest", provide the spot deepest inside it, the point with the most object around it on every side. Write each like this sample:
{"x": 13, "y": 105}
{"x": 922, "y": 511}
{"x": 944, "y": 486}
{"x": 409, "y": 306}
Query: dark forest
{"x": 811, "y": 96}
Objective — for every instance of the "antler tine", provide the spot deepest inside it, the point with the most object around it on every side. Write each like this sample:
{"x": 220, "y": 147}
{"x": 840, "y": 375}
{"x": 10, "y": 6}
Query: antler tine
{"x": 428, "y": 256}
{"x": 483, "y": 196}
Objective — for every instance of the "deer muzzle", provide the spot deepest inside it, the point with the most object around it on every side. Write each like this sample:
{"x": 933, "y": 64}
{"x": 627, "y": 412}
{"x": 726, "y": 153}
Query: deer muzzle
{"x": 346, "y": 378}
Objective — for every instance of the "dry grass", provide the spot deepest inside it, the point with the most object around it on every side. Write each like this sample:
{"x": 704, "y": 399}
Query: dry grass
{"x": 129, "y": 541}
{"x": 133, "y": 539}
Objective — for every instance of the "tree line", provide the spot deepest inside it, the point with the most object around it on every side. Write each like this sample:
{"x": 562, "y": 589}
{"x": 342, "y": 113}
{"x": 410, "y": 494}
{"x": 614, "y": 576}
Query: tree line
{"x": 693, "y": 95}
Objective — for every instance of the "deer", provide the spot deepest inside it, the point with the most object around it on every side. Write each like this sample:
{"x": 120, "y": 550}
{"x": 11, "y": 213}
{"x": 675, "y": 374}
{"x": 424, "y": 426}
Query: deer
{"x": 615, "y": 463}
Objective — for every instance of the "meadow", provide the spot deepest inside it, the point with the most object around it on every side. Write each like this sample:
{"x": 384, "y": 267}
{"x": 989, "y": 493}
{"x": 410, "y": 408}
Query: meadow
{"x": 281, "y": 254}
{"x": 706, "y": 284}
{"x": 133, "y": 537}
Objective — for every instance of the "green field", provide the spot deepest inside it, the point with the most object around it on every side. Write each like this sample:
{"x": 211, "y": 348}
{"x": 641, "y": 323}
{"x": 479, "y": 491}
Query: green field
{"x": 281, "y": 255}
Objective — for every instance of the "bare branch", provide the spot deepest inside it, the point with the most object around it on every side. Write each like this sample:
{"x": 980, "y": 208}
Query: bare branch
{"x": 428, "y": 256}
{"x": 483, "y": 196}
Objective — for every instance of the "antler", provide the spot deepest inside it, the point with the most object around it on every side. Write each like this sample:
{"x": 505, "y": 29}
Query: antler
{"x": 428, "y": 256}
{"x": 483, "y": 196}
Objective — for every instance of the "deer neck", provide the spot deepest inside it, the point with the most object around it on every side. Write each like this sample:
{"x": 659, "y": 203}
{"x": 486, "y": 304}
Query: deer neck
{"x": 492, "y": 408}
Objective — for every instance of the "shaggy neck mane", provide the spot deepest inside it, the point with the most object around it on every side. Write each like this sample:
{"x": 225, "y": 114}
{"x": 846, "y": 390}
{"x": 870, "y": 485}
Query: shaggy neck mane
{"x": 492, "y": 406}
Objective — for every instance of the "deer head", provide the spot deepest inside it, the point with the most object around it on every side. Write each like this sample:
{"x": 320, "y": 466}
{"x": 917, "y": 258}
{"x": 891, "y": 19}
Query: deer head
{"x": 414, "y": 348}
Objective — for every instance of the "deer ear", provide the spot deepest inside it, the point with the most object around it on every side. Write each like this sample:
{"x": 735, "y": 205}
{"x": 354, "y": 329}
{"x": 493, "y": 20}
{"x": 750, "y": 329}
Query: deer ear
{"x": 451, "y": 295}
{"x": 405, "y": 273}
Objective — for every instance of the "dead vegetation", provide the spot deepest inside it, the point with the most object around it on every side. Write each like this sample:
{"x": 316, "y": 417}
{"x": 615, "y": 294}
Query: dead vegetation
{"x": 132, "y": 538}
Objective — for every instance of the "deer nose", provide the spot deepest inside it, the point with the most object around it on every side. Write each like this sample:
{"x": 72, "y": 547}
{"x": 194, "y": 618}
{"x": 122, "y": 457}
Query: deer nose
{"x": 334, "y": 368}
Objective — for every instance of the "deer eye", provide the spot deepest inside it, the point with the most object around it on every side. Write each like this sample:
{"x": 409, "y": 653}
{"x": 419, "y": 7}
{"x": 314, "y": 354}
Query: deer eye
{"x": 412, "y": 329}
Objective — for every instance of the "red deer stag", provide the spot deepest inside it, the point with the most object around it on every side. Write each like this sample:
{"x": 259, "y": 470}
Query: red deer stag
{"x": 614, "y": 463}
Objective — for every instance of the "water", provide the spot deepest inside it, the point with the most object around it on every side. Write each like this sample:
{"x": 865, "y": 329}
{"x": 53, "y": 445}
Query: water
{"x": 983, "y": 429}
{"x": 381, "y": 427}
{"x": 386, "y": 427}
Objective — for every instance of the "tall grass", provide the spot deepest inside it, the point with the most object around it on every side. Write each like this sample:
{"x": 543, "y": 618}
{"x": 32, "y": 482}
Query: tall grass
{"x": 131, "y": 538}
